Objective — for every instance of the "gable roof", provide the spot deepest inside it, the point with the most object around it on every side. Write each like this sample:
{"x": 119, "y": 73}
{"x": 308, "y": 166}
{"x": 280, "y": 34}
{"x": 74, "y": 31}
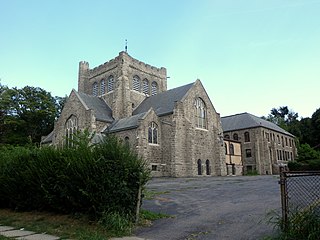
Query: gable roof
{"x": 100, "y": 108}
{"x": 125, "y": 123}
{"x": 247, "y": 120}
{"x": 163, "y": 103}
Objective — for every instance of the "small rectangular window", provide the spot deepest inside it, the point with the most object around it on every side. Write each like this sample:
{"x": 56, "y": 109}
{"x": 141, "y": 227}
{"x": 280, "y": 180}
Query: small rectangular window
{"x": 248, "y": 153}
{"x": 154, "y": 167}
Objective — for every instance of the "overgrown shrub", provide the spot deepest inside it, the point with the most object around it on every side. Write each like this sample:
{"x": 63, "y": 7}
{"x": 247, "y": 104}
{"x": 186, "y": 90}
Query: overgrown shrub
{"x": 84, "y": 179}
{"x": 308, "y": 165}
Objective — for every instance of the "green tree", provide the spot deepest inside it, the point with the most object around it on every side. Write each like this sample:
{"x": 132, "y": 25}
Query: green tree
{"x": 315, "y": 125}
{"x": 29, "y": 113}
{"x": 305, "y": 152}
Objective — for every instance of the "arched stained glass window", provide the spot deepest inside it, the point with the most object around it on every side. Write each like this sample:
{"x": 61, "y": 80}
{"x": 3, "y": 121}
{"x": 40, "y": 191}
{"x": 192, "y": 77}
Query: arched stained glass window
{"x": 136, "y": 83}
{"x": 153, "y": 133}
{"x": 201, "y": 113}
{"x": 71, "y": 127}
{"x": 154, "y": 88}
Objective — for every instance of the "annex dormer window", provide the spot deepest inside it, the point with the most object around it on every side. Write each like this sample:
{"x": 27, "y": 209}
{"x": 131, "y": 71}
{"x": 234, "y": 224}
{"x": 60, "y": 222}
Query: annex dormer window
{"x": 110, "y": 83}
{"x": 201, "y": 113}
{"x": 145, "y": 86}
{"x": 95, "y": 89}
{"x": 154, "y": 88}
{"x": 136, "y": 83}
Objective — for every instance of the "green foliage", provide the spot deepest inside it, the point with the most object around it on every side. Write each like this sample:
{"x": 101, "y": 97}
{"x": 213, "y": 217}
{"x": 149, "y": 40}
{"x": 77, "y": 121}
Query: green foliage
{"x": 27, "y": 114}
{"x": 152, "y": 216}
{"x": 92, "y": 180}
{"x": 116, "y": 223}
{"x": 252, "y": 173}
{"x": 305, "y": 152}
{"x": 303, "y": 224}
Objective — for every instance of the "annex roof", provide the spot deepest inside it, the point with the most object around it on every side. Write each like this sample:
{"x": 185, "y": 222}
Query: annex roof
{"x": 247, "y": 120}
{"x": 163, "y": 103}
{"x": 125, "y": 123}
{"x": 101, "y": 109}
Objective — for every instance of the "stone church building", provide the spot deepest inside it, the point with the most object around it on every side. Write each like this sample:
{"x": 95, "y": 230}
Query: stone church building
{"x": 178, "y": 131}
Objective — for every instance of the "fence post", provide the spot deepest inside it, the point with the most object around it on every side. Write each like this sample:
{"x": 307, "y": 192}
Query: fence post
{"x": 138, "y": 204}
{"x": 284, "y": 199}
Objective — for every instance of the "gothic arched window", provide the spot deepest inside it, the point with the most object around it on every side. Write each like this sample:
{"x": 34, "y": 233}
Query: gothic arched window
{"x": 145, "y": 86}
{"x": 154, "y": 88}
{"x": 110, "y": 83}
{"x": 208, "y": 167}
{"x": 71, "y": 127}
{"x": 199, "y": 167}
{"x": 95, "y": 89}
{"x": 201, "y": 113}
{"x": 153, "y": 133}
{"x": 102, "y": 87}
{"x": 136, "y": 83}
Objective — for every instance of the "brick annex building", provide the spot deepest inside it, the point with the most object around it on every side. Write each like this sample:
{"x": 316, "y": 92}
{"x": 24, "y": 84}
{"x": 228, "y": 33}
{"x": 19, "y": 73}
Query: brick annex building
{"x": 178, "y": 131}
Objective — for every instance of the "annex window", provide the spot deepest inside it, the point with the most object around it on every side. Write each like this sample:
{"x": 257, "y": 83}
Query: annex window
{"x": 248, "y": 153}
{"x": 136, "y": 83}
{"x": 102, "y": 87}
{"x": 154, "y": 88}
{"x": 225, "y": 148}
{"x": 286, "y": 141}
{"x": 126, "y": 141}
{"x": 95, "y": 89}
{"x": 153, "y": 133}
{"x": 208, "y": 167}
{"x": 246, "y": 137}
{"x": 71, "y": 127}
{"x": 110, "y": 83}
{"x": 154, "y": 168}
{"x": 201, "y": 113}
{"x": 278, "y": 138}
{"x": 199, "y": 167}
{"x": 231, "y": 149}
{"x": 235, "y": 137}
{"x": 226, "y": 136}
{"x": 145, "y": 86}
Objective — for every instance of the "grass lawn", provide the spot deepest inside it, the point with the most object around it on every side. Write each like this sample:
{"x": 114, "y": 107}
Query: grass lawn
{"x": 64, "y": 226}
{"x": 67, "y": 226}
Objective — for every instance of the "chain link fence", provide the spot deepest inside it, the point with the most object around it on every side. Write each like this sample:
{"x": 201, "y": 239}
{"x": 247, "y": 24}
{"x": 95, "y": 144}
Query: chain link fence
{"x": 300, "y": 193}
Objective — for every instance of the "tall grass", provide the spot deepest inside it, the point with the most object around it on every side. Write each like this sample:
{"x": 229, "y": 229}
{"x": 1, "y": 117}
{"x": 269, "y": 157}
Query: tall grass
{"x": 303, "y": 224}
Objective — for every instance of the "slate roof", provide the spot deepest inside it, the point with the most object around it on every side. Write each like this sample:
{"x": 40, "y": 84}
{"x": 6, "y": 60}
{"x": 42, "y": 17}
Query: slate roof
{"x": 125, "y": 123}
{"x": 48, "y": 138}
{"x": 163, "y": 103}
{"x": 101, "y": 109}
{"x": 247, "y": 120}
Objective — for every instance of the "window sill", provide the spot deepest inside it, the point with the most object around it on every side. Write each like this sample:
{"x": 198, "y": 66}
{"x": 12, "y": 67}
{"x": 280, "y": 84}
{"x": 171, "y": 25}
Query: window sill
{"x": 202, "y": 129}
{"x": 154, "y": 144}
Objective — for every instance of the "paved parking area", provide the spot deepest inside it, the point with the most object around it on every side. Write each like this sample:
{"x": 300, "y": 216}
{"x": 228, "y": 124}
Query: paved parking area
{"x": 232, "y": 208}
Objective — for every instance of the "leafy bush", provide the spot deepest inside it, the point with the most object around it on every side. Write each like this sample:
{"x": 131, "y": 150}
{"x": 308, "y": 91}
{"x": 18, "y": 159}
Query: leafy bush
{"x": 84, "y": 179}
{"x": 309, "y": 165}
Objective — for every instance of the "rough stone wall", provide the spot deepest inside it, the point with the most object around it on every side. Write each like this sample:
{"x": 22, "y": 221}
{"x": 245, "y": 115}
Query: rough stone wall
{"x": 191, "y": 143}
{"x": 73, "y": 107}
{"x": 264, "y": 157}
{"x": 122, "y": 99}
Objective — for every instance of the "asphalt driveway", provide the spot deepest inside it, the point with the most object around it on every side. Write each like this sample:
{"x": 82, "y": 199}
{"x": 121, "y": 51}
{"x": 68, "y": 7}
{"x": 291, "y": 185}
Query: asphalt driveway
{"x": 212, "y": 208}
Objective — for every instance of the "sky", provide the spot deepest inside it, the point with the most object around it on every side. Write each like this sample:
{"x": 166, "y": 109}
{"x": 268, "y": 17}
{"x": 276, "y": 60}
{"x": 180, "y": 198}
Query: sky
{"x": 250, "y": 55}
